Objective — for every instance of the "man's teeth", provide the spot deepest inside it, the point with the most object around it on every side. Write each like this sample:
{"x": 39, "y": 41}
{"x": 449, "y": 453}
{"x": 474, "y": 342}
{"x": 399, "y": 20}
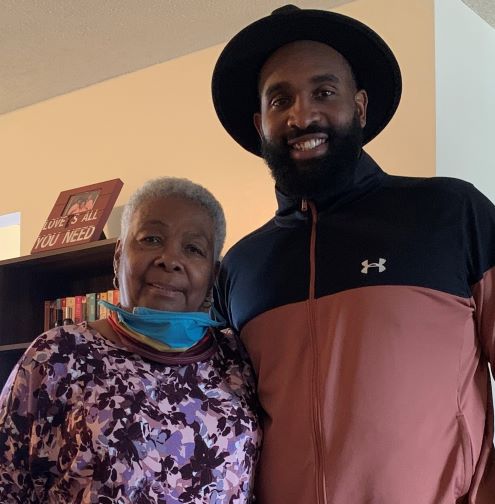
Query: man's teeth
{"x": 309, "y": 144}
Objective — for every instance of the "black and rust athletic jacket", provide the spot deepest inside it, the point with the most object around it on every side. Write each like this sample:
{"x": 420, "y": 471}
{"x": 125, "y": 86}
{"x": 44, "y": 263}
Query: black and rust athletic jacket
{"x": 370, "y": 320}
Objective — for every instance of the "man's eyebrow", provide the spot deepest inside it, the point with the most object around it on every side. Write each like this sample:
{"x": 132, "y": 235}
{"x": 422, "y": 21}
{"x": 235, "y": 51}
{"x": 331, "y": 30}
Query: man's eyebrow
{"x": 274, "y": 88}
{"x": 316, "y": 79}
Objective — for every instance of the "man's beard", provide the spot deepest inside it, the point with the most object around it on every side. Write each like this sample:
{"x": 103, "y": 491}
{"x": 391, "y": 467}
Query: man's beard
{"x": 310, "y": 178}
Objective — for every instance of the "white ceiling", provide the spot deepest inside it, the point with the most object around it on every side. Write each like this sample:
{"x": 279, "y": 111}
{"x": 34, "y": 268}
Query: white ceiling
{"x": 484, "y": 9}
{"x": 52, "y": 47}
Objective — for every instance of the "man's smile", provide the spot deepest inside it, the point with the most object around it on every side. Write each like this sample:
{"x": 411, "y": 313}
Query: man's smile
{"x": 308, "y": 146}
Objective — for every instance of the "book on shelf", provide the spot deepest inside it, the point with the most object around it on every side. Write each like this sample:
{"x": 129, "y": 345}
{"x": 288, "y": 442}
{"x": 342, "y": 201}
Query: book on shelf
{"x": 79, "y": 315}
{"x": 103, "y": 309}
{"x": 91, "y": 306}
{"x": 78, "y": 308}
{"x": 97, "y": 306}
{"x": 70, "y": 305}
{"x": 84, "y": 310}
{"x": 48, "y": 315}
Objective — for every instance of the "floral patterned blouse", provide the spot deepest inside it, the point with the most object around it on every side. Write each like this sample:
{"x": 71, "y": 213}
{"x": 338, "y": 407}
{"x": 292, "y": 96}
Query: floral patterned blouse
{"x": 83, "y": 420}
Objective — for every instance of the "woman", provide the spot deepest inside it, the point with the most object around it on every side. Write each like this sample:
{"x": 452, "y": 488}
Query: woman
{"x": 151, "y": 405}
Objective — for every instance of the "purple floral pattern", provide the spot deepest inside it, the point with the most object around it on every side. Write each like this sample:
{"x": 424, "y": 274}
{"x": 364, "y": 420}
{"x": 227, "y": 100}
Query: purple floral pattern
{"x": 82, "y": 420}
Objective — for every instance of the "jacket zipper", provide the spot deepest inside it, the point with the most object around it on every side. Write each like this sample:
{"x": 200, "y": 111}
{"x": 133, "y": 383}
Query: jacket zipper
{"x": 316, "y": 392}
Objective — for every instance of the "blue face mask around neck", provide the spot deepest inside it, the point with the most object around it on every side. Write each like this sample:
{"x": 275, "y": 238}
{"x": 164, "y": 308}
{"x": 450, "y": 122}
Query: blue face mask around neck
{"x": 175, "y": 329}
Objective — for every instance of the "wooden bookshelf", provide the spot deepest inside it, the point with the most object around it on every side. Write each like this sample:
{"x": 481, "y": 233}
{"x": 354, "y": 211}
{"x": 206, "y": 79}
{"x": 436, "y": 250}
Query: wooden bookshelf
{"x": 26, "y": 282}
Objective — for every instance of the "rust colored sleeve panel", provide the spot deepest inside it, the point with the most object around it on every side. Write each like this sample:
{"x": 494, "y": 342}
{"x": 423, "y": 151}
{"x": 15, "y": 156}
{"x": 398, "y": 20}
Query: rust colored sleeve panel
{"x": 484, "y": 297}
{"x": 483, "y": 485}
{"x": 278, "y": 344}
{"x": 402, "y": 391}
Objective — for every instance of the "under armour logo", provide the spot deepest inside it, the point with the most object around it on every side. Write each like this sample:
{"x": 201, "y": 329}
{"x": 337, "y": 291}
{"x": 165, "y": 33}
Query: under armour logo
{"x": 380, "y": 265}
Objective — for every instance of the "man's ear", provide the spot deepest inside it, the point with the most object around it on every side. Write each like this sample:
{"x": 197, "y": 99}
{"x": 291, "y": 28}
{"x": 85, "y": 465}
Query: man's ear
{"x": 361, "y": 100}
{"x": 257, "y": 123}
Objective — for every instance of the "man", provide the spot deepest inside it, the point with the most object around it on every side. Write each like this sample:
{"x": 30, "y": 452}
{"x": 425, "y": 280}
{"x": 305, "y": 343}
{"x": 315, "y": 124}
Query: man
{"x": 367, "y": 303}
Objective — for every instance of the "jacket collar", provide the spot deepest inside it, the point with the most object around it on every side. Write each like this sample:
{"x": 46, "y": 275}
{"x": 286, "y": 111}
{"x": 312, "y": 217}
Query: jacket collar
{"x": 361, "y": 178}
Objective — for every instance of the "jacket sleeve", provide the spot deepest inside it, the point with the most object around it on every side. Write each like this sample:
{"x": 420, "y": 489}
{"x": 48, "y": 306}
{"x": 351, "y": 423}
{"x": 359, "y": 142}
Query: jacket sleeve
{"x": 484, "y": 297}
{"x": 479, "y": 226}
{"x": 220, "y": 309}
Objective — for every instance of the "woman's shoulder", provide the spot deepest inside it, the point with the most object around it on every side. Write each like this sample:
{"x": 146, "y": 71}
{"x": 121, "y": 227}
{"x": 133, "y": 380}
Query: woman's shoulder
{"x": 63, "y": 340}
{"x": 57, "y": 353}
{"x": 232, "y": 357}
{"x": 46, "y": 363}
{"x": 59, "y": 359}
{"x": 231, "y": 345}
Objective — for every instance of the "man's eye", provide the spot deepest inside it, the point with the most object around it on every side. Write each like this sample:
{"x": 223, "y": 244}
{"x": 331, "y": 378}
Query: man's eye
{"x": 324, "y": 93}
{"x": 279, "y": 101}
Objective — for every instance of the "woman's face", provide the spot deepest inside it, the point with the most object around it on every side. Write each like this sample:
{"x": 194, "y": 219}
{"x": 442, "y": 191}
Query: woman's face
{"x": 166, "y": 261}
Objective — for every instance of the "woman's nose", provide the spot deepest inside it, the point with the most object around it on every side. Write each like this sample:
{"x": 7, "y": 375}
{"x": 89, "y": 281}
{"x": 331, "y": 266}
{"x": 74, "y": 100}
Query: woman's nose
{"x": 169, "y": 259}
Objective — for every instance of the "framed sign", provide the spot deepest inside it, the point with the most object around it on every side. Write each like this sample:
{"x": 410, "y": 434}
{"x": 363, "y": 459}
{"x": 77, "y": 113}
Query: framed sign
{"x": 78, "y": 216}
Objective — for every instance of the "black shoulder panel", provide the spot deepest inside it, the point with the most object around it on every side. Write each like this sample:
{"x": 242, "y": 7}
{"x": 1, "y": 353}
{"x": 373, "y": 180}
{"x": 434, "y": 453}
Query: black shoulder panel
{"x": 437, "y": 233}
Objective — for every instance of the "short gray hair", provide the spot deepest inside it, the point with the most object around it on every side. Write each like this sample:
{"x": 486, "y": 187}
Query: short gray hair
{"x": 163, "y": 187}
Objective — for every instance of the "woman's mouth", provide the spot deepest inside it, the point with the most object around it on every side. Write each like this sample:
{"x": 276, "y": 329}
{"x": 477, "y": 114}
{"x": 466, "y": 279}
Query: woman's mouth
{"x": 166, "y": 289}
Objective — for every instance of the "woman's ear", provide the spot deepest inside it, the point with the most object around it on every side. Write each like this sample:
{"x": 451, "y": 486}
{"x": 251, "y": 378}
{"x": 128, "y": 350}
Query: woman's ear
{"x": 116, "y": 263}
{"x": 214, "y": 274}
{"x": 117, "y": 254}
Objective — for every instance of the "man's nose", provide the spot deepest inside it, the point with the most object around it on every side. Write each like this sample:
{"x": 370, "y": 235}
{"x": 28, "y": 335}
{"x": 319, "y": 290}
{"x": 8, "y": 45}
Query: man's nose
{"x": 303, "y": 113}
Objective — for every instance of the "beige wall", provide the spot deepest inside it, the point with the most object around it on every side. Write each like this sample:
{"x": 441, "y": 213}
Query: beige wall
{"x": 10, "y": 241}
{"x": 407, "y": 146}
{"x": 160, "y": 121}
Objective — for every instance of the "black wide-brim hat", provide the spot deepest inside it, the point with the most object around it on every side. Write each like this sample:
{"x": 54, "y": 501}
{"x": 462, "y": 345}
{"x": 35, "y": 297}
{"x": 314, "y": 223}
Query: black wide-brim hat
{"x": 235, "y": 77}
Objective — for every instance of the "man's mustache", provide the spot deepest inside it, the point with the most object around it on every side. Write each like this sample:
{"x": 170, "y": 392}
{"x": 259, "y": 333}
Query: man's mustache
{"x": 296, "y": 132}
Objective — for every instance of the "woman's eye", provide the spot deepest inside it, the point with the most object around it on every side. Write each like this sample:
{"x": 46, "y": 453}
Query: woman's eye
{"x": 194, "y": 249}
{"x": 151, "y": 240}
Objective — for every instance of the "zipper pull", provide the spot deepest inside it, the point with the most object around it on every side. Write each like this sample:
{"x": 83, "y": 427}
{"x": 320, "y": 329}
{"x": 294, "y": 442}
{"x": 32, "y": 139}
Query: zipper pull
{"x": 304, "y": 205}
